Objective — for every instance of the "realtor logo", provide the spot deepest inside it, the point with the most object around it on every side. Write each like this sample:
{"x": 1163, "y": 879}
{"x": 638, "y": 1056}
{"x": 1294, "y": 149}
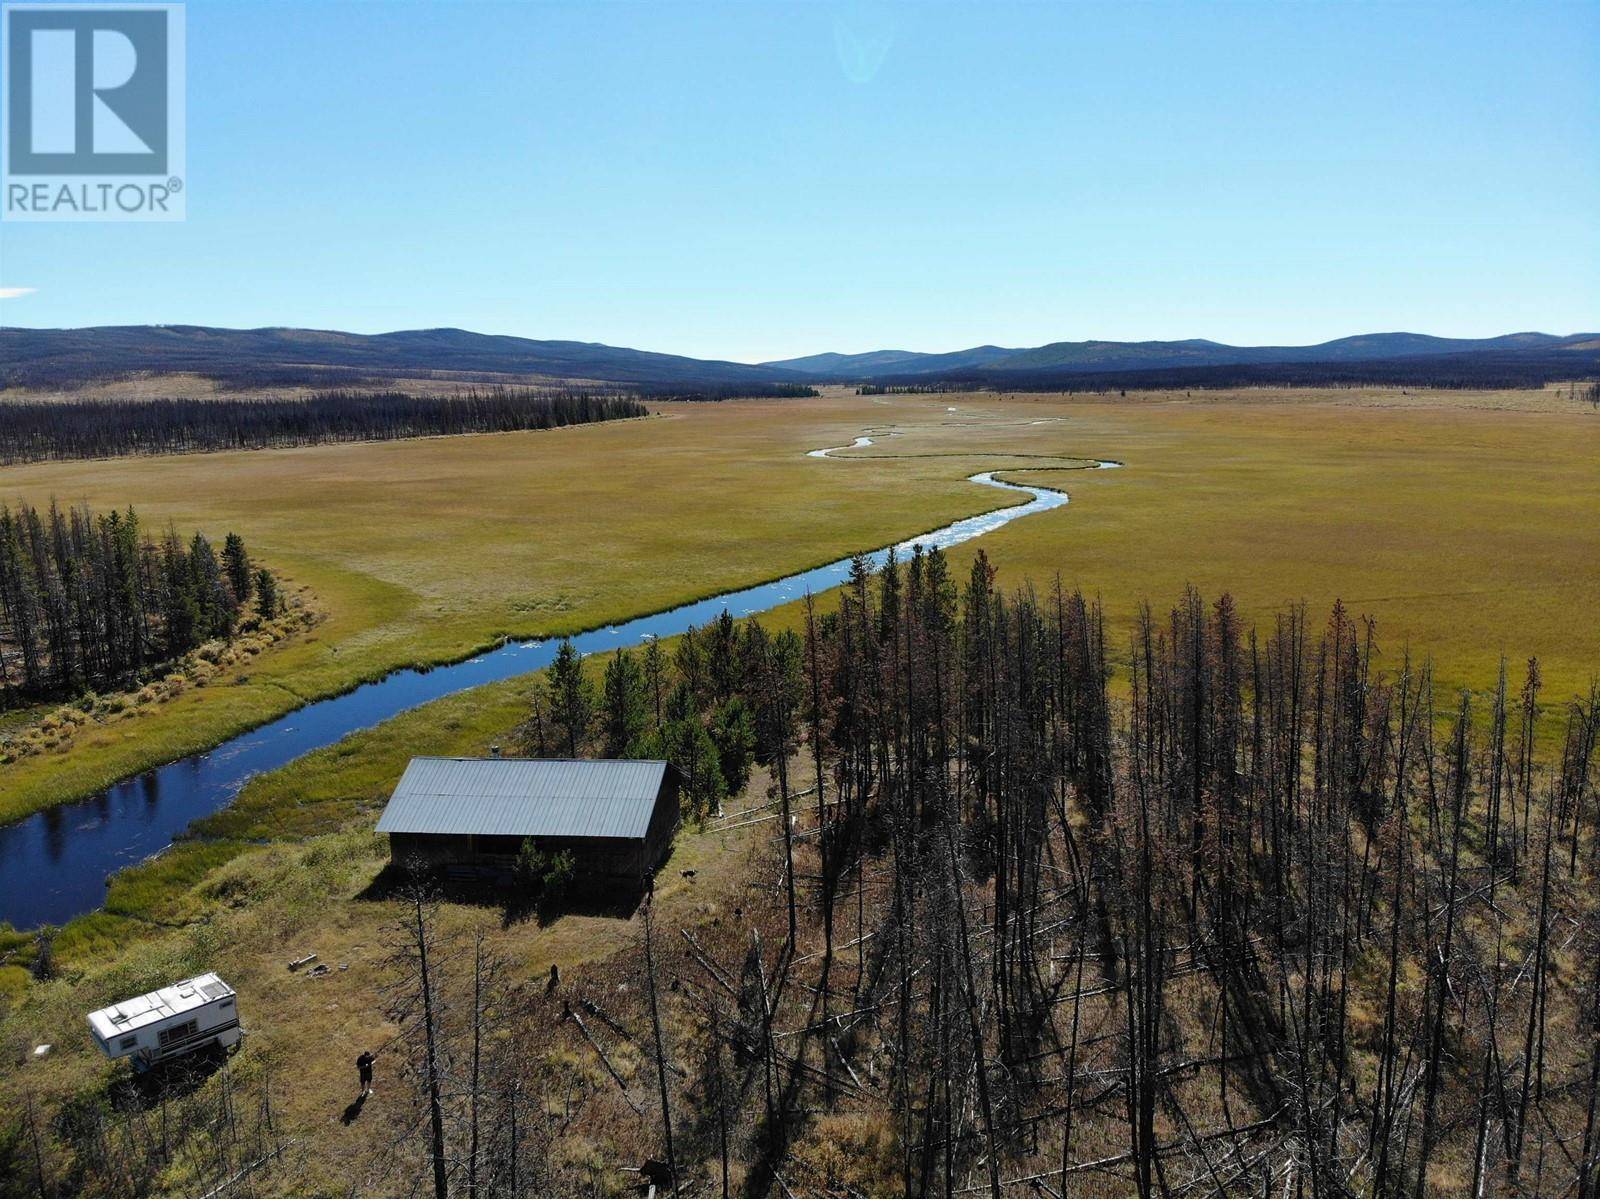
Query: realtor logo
{"x": 93, "y": 126}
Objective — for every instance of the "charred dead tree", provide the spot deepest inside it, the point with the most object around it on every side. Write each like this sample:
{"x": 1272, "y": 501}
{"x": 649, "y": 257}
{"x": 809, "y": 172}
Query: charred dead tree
{"x": 416, "y": 955}
{"x": 1227, "y": 911}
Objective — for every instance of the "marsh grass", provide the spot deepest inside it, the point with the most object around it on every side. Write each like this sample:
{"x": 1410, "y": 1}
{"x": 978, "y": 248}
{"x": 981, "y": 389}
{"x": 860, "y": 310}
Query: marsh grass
{"x": 1463, "y": 521}
{"x": 161, "y": 890}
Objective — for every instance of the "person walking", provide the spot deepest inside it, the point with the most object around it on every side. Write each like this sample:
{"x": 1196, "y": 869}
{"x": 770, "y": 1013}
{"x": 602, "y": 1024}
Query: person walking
{"x": 364, "y": 1062}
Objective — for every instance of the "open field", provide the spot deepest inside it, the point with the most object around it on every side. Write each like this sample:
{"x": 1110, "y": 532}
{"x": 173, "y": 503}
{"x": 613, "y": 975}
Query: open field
{"x": 450, "y": 544}
{"x": 1465, "y": 523}
{"x": 1466, "y": 526}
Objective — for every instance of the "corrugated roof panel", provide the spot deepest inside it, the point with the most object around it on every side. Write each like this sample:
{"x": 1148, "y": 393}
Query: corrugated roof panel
{"x": 521, "y": 797}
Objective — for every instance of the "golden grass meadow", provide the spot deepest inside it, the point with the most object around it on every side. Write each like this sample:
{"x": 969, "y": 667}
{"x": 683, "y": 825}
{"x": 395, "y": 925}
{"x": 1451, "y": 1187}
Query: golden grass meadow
{"x": 1462, "y": 522}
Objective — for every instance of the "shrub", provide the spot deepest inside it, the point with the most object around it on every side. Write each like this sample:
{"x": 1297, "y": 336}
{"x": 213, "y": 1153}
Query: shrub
{"x": 530, "y": 866}
{"x": 544, "y": 876}
{"x": 44, "y": 955}
{"x": 558, "y": 872}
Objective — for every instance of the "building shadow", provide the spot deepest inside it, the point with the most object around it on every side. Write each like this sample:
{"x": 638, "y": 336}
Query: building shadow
{"x": 615, "y": 899}
{"x": 387, "y": 883}
{"x": 609, "y": 897}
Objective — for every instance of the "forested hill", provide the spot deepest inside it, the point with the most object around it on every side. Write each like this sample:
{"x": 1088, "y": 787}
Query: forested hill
{"x": 47, "y": 358}
{"x": 278, "y": 357}
{"x": 1102, "y": 357}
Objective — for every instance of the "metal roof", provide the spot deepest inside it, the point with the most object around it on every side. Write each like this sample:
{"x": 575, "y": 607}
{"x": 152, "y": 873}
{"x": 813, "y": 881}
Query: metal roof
{"x": 525, "y": 797}
{"x": 158, "y": 1005}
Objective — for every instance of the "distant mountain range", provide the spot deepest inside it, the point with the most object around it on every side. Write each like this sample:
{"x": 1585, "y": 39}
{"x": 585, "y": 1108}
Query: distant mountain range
{"x": 1192, "y": 352}
{"x": 279, "y": 356}
{"x": 893, "y": 362}
{"x": 60, "y": 357}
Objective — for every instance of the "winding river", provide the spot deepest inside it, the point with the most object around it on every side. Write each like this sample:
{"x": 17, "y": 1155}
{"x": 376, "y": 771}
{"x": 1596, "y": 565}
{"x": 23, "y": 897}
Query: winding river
{"x": 54, "y": 864}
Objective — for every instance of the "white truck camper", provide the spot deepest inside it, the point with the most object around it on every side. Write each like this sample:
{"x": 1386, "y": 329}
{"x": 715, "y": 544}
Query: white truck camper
{"x": 194, "y": 1014}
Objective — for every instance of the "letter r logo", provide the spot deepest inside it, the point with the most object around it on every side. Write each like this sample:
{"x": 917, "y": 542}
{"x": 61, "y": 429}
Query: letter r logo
{"x": 86, "y": 90}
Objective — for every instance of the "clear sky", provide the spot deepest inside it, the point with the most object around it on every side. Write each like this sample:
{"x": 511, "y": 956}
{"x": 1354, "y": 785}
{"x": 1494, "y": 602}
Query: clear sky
{"x": 756, "y": 180}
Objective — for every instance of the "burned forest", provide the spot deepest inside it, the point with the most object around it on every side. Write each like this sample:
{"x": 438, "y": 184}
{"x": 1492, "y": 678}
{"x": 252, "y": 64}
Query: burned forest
{"x": 45, "y": 430}
{"x": 1218, "y": 910}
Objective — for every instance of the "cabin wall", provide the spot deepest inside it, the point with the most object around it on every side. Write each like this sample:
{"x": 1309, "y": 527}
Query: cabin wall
{"x": 663, "y": 824}
{"x": 496, "y": 857}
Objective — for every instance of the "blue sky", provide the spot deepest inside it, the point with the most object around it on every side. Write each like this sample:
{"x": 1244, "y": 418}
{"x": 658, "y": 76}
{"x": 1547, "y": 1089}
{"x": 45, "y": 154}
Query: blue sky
{"x": 756, "y": 180}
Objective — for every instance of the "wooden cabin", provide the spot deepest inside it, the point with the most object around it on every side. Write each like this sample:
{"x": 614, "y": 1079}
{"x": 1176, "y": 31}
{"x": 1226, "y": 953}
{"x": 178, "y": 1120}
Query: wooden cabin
{"x": 469, "y": 817}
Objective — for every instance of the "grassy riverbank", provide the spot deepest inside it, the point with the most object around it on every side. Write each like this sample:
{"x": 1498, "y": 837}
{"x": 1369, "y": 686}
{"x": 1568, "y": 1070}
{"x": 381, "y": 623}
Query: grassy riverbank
{"x": 427, "y": 551}
{"x": 1464, "y": 523}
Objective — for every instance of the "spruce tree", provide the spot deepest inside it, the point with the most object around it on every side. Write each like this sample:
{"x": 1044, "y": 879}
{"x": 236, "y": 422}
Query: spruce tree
{"x": 624, "y": 705}
{"x": 236, "y": 565}
{"x": 266, "y": 589}
{"x": 571, "y": 697}
{"x": 733, "y": 730}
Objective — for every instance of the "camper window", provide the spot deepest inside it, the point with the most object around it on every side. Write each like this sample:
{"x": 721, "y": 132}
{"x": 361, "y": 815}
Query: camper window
{"x": 128, "y": 1043}
{"x": 177, "y": 1033}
